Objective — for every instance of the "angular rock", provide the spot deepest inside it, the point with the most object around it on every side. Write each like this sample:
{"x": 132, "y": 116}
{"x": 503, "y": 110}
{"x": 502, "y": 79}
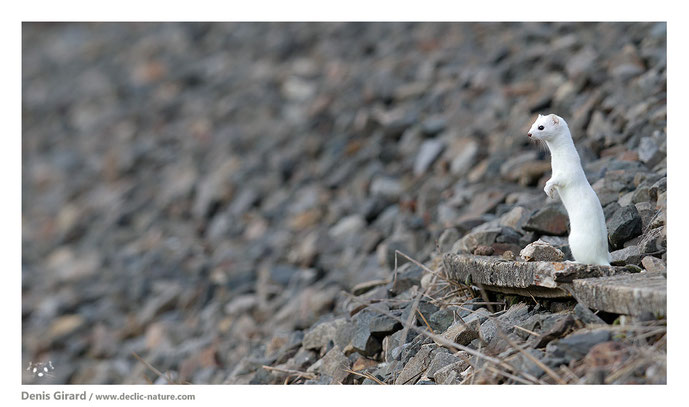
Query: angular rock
{"x": 551, "y": 220}
{"x": 624, "y": 225}
{"x": 574, "y": 346}
{"x": 541, "y": 251}
{"x": 441, "y": 319}
{"x": 628, "y": 255}
{"x": 408, "y": 276}
{"x": 424, "y": 307}
{"x": 654, "y": 265}
{"x": 362, "y": 340}
{"x": 344, "y": 335}
{"x": 467, "y": 329}
{"x": 587, "y": 316}
{"x": 653, "y": 241}
{"x": 515, "y": 218}
{"x": 333, "y": 364}
{"x": 416, "y": 366}
{"x": 393, "y": 345}
{"x": 649, "y": 153}
{"x": 506, "y": 323}
{"x": 470, "y": 242}
{"x": 523, "y": 363}
{"x": 319, "y": 335}
{"x": 440, "y": 360}
{"x": 442, "y": 375}
{"x": 302, "y": 359}
{"x": 383, "y": 325}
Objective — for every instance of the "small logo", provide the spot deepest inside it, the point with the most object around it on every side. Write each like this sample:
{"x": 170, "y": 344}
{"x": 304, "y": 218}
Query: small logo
{"x": 41, "y": 369}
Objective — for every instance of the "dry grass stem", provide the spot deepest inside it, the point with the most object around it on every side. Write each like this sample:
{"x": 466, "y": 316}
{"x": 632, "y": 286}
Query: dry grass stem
{"x": 291, "y": 372}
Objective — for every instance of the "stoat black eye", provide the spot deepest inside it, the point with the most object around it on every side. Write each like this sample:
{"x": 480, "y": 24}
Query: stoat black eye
{"x": 541, "y": 127}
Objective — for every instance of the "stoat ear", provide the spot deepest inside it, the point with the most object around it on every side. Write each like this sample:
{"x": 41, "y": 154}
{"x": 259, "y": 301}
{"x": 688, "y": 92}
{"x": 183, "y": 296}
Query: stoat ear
{"x": 556, "y": 120}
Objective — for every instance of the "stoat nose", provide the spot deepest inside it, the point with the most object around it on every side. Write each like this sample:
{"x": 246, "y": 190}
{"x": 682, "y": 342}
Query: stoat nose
{"x": 529, "y": 134}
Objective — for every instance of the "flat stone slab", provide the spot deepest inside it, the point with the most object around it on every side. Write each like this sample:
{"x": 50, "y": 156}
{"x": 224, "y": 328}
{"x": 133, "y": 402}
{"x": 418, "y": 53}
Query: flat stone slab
{"x": 539, "y": 278}
{"x": 606, "y": 288}
{"x": 629, "y": 294}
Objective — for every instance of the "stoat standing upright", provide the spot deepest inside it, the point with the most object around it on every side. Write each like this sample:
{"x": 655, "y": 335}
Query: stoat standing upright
{"x": 588, "y": 237}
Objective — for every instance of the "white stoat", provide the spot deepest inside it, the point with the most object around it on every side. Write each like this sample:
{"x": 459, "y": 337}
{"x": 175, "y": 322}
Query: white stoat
{"x": 588, "y": 237}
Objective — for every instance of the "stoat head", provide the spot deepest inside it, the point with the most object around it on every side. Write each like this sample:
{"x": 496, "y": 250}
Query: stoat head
{"x": 548, "y": 128}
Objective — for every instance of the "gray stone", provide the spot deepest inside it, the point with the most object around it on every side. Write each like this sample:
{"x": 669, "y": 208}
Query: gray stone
{"x": 574, "y": 346}
{"x": 362, "y": 341}
{"x": 302, "y": 359}
{"x": 416, "y": 366}
{"x": 515, "y": 218}
{"x": 348, "y": 227}
{"x": 344, "y": 335}
{"x": 508, "y": 170}
{"x": 658, "y": 187}
{"x": 467, "y": 329}
{"x": 409, "y": 350}
{"x": 641, "y": 194}
{"x": 580, "y": 62}
{"x": 441, "y": 319}
{"x": 433, "y": 125}
{"x": 442, "y": 375}
{"x": 393, "y": 345}
{"x": 653, "y": 241}
{"x": 506, "y": 322}
{"x": 333, "y": 364}
{"x": 587, "y": 316}
{"x": 424, "y": 307}
{"x": 551, "y": 220}
{"x": 647, "y": 213}
{"x": 383, "y": 324}
{"x": 541, "y": 251}
{"x": 388, "y": 188}
{"x": 441, "y": 359}
{"x": 626, "y": 199}
{"x": 649, "y": 153}
{"x": 408, "y": 275}
{"x": 282, "y": 273}
{"x": 471, "y": 241}
{"x": 319, "y": 335}
{"x": 523, "y": 363}
{"x": 464, "y": 160}
{"x": 624, "y": 225}
{"x": 654, "y": 265}
{"x": 628, "y": 255}
{"x": 428, "y": 153}
{"x": 610, "y": 210}
{"x": 447, "y": 239}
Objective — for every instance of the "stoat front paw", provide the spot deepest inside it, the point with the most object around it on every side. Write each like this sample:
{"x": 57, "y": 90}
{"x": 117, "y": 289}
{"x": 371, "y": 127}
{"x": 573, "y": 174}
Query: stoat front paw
{"x": 549, "y": 189}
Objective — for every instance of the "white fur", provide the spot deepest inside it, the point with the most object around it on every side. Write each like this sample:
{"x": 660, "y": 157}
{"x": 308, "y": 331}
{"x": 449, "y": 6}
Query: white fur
{"x": 588, "y": 237}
